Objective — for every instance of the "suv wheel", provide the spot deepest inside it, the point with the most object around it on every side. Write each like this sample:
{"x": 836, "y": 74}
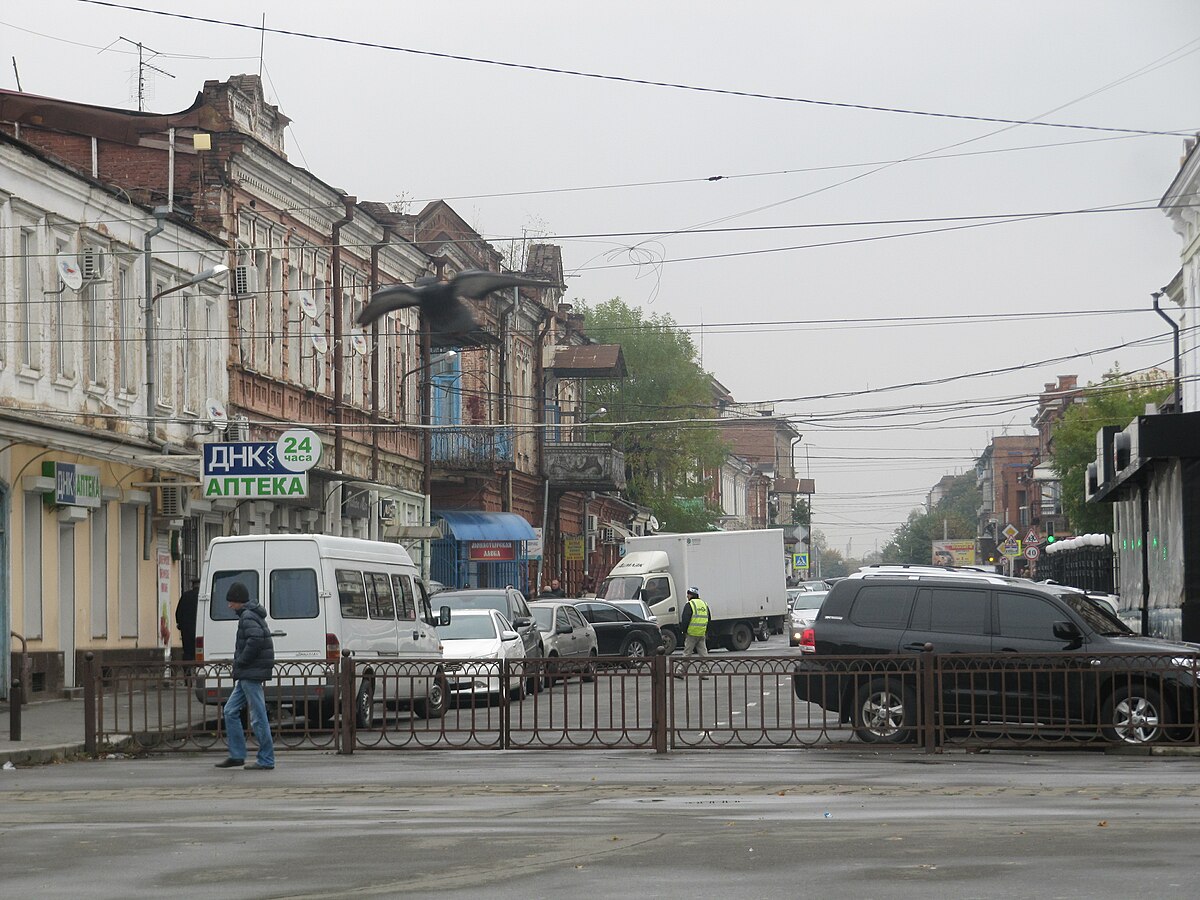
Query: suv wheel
{"x": 885, "y": 712}
{"x": 1133, "y": 714}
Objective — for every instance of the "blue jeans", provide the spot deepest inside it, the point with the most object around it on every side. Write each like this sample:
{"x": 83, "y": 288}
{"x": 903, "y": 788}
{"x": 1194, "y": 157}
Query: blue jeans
{"x": 249, "y": 693}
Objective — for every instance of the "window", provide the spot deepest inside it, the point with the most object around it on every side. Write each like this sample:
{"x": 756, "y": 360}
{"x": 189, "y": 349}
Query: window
{"x": 351, "y": 594}
{"x": 65, "y": 331}
{"x": 168, "y": 337}
{"x": 1027, "y": 616}
{"x": 379, "y": 596}
{"x": 657, "y": 589}
{"x": 32, "y": 559}
{"x": 882, "y": 605}
{"x": 28, "y": 311}
{"x": 423, "y": 601}
{"x": 294, "y": 594}
{"x": 951, "y": 610}
{"x": 561, "y": 622}
{"x": 595, "y": 612}
{"x": 218, "y": 607}
{"x": 406, "y": 607}
{"x": 94, "y": 316}
{"x": 126, "y": 310}
{"x": 575, "y": 619}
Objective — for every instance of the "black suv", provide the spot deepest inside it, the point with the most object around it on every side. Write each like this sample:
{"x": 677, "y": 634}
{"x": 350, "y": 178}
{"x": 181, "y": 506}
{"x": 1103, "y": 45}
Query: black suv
{"x": 1092, "y": 670}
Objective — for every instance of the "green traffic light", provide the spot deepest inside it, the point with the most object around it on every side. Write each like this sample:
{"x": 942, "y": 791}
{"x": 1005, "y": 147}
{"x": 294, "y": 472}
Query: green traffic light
{"x": 1050, "y": 539}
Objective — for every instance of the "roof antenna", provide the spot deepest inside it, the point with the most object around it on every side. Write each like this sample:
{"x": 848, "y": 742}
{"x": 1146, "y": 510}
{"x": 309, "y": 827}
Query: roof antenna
{"x": 262, "y": 39}
{"x": 143, "y": 65}
{"x": 18, "y": 74}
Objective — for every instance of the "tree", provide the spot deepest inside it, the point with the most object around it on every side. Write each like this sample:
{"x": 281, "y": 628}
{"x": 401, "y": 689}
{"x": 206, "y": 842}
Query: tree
{"x": 664, "y": 464}
{"x": 1116, "y": 400}
{"x": 954, "y": 517}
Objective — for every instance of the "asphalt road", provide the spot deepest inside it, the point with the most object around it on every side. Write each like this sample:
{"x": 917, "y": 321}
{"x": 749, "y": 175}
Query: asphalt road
{"x": 521, "y": 824}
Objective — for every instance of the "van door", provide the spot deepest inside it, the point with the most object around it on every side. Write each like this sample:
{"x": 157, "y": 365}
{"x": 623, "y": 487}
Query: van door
{"x": 295, "y": 613}
{"x": 417, "y": 636}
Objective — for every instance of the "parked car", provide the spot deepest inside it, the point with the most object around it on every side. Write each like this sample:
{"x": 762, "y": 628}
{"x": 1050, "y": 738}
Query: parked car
{"x": 636, "y": 608}
{"x": 567, "y": 636}
{"x": 617, "y": 632}
{"x": 510, "y": 603}
{"x": 476, "y": 639}
{"x": 1131, "y": 688}
{"x": 804, "y": 608}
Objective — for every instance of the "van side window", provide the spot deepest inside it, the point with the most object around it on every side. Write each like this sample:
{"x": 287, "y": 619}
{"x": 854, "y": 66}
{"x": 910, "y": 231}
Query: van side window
{"x": 351, "y": 594}
{"x": 423, "y": 602}
{"x": 406, "y": 604}
{"x": 294, "y": 594}
{"x": 379, "y": 595}
{"x": 219, "y": 609}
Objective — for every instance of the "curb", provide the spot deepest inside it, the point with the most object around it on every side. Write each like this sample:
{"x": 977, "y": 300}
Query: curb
{"x": 41, "y": 756}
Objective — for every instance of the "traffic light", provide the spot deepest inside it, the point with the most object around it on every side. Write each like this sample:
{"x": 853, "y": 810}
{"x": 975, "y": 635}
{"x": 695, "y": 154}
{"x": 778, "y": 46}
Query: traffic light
{"x": 1050, "y": 539}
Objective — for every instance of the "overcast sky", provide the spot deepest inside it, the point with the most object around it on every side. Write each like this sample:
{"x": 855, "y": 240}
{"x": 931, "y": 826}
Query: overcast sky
{"x": 788, "y": 293}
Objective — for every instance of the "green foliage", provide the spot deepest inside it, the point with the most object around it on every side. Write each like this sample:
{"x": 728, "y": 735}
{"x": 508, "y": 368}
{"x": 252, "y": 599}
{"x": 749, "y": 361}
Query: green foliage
{"x": 664, "y": 463}
{"x": 955, "y": 516}
{"x": 1116, "y": 400}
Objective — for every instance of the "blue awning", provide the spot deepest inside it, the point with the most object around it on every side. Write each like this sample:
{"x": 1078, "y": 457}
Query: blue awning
{"x": 486, "y": 526}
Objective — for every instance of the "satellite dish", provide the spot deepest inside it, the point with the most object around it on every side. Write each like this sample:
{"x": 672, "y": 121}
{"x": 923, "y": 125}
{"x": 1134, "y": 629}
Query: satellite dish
{"x": 358, "y": 341}
{"x": 216, "y": 410}
{"x": 653, "y": 523}
{"x": 69, "y": 271}
{"x": 310, "y": 306}
{"x": 319, "y": 341}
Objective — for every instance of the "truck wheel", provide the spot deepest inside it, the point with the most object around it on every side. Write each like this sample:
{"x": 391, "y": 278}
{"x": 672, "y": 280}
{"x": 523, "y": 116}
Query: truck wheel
{"x": 741, "y": 637}
{"x": 670, "y": 642}
{"x": 364, "y": 705}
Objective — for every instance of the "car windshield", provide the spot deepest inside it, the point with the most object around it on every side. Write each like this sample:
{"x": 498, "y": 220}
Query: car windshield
{"x": 543, "y": 616}
{"x": 498, "y": 602}
{"x": 622, "y": 587}
{"x": 1098, "y": 617}
{"x": 467, "y": 628}
{"x": 634, "y": 607}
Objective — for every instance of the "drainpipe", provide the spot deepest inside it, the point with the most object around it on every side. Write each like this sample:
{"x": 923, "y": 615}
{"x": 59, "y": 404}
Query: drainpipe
{"x": 160, "y": 214}
{"x": 375, "y": 363}
{"x": 338, "y": 312}
{"x": 540, "y": 379}
{"x": 425, "y": 398}
{"x": 1175, "y": 328}
{"x": 505, "y": 318}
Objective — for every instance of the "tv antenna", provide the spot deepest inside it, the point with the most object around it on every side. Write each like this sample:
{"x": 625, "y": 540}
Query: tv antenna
{"x": 144, "y": 65}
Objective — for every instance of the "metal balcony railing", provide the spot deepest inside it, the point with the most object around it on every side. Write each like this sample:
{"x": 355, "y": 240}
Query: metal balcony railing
{"x": 471, "y": 449}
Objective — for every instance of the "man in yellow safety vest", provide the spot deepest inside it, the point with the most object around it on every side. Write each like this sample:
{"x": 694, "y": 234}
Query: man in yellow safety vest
{"x": 694, "y": 621}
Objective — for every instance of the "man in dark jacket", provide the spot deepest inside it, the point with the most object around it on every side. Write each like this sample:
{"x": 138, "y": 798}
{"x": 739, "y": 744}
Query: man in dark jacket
{"x": 253, "y": 663}
{"x": 185, "y": 620}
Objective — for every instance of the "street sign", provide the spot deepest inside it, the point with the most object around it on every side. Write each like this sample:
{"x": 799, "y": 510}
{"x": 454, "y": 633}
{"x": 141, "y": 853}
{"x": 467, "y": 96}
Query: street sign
{"x": 573, "y": 549}
{"x": 1032, "y": 537}
{"x": 1011, "y": 547}
{"x": 1032, "y": 552}
{"x": 1009, "y": 531}
{"x": 799, "y": 560}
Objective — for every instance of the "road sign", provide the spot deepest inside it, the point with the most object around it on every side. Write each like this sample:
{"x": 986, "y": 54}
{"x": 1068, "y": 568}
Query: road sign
{"x": 1009, "y": 531}
{"x": 1011, "y": 547}
{"x": 799, "y": 560}
{"x": 1032, "y": 552}
{"x": 1032, "y": 537}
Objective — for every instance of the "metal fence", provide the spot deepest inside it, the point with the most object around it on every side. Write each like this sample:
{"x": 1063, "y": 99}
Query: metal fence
{"x": 925, "y": 701}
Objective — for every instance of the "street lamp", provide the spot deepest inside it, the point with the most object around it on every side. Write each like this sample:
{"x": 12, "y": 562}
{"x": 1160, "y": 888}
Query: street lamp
{"x": 205, "y": 275}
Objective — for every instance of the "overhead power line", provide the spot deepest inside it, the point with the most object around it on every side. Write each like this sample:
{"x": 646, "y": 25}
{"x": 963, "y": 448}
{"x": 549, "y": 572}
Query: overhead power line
{"x": 626, "y": 79}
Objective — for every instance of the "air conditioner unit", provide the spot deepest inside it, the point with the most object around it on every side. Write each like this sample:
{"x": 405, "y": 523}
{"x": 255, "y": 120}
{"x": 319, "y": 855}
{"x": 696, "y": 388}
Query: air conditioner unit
{"x": 245, "y": 281}
{"x": 239, "y": 429}
{"x": 91, "y": 263}
{"x": 174, "y": 501}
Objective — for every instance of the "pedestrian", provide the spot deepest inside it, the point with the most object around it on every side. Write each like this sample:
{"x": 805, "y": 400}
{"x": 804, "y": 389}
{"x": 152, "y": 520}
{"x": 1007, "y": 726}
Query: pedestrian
{"x": 694, "y": 621}
{"x": 185, "y": 620}
{"x": 253, "y": 663}
{"x": 554, "y": 591}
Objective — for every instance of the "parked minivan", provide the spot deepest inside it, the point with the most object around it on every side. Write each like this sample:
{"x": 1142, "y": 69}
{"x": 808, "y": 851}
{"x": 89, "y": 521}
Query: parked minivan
{"x": 322, "y": 595}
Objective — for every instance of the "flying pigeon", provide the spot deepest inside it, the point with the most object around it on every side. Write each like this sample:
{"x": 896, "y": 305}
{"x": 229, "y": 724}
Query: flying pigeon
{"x": 441, "y": 309}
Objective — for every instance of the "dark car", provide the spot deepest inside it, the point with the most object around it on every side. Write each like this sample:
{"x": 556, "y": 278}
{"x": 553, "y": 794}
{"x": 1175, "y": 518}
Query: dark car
{"x": 510, "y": 603}
{"x": 1011, "y": 653}
{"x": 617, "y": 632}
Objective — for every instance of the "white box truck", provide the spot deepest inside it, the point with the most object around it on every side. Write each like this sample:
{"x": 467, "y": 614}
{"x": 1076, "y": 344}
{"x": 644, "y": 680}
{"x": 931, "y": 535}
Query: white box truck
{"x": 740, "y": 575}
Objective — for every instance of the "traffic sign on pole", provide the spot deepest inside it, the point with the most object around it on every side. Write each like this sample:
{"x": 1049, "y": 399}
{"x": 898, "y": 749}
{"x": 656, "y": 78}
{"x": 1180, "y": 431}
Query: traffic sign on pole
{"x": 1032, "y": 552}
{"x": 1032, "y": 537}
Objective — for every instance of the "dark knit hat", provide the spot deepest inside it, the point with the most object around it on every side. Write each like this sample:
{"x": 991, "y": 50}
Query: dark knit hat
{"x": 237, "y": 593}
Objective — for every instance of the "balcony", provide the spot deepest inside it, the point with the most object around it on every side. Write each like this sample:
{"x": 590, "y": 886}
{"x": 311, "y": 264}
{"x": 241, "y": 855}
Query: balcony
{"x": 471, "y": 449}
{"x": 584, "y": 466}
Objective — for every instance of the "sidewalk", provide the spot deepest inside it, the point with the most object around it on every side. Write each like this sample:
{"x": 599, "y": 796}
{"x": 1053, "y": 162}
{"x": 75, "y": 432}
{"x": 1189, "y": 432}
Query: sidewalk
{"x": 51, "y": 731}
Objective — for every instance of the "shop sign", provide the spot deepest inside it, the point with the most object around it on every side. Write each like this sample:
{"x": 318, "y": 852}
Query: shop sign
{"x": 491, "y": 551}
{"x": 258, "y": 469}
{"x": 573, "y": 549}
{"x": 74, "y": 485}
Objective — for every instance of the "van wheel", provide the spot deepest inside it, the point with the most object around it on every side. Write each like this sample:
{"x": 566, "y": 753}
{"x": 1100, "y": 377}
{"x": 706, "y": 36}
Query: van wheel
{"x": 364, "y": 705}
{"x": 435, "y": 706}
{"x": 1133, "y": 715}
{"x": 740, "y": 637}
{"x": 885, "y": 712}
